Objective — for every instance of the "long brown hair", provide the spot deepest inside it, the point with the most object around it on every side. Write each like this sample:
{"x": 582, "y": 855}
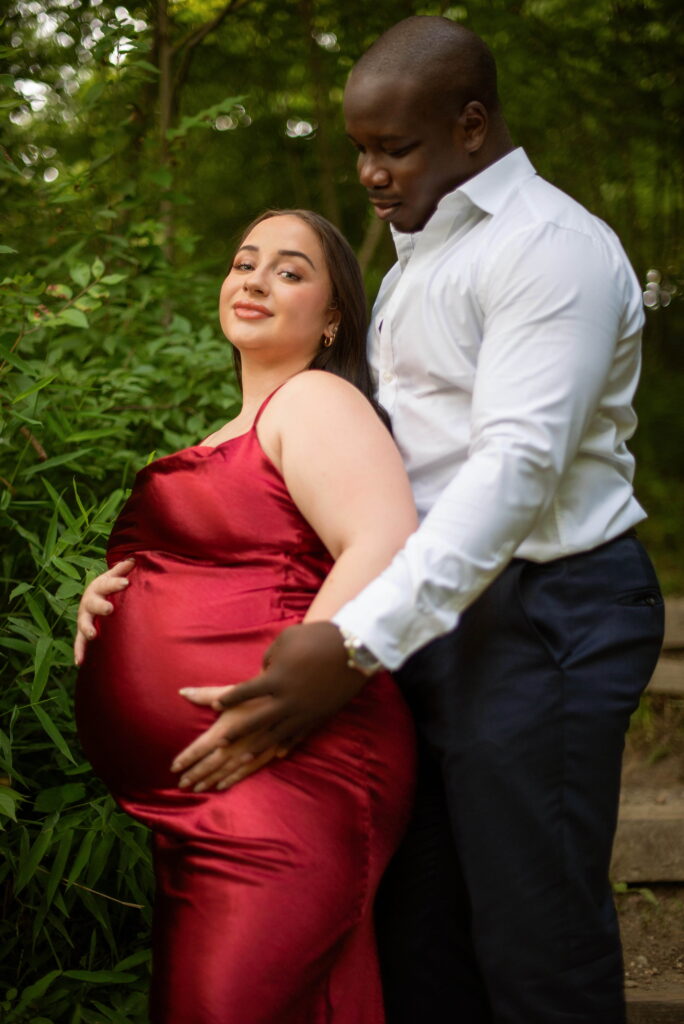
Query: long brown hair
{"x": 346, "y": 357}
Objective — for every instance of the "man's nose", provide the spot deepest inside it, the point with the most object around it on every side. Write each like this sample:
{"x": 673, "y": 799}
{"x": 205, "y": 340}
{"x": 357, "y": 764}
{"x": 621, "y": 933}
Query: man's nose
{"x": 372, "y": 172}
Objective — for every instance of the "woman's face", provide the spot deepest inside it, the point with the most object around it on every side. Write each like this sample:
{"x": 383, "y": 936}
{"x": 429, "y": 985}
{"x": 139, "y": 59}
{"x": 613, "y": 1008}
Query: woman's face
{"x": 276, "y": 299}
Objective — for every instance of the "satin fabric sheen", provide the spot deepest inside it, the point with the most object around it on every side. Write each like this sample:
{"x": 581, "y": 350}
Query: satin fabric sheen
{"x": 263, "y": 909}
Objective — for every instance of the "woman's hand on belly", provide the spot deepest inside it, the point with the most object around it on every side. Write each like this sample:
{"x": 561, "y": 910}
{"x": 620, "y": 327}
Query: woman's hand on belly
{"x": 226, "y": 762}
{"x": 94, "y": 603}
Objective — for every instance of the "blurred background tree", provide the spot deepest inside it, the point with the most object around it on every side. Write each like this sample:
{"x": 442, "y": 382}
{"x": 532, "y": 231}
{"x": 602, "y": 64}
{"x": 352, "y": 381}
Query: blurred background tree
{"x": 137, "y": 140}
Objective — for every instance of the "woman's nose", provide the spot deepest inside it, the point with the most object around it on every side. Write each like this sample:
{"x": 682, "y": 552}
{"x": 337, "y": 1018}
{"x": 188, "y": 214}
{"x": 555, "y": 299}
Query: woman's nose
{"x": 255, "y": 282}
{"x": 372, "y": 173}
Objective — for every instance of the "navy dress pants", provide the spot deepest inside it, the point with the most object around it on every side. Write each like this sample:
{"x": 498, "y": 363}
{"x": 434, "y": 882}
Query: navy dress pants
{"x": 497, "y": 908}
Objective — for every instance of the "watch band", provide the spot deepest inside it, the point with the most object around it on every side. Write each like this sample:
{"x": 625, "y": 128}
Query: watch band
{"x": 358, "y": 655}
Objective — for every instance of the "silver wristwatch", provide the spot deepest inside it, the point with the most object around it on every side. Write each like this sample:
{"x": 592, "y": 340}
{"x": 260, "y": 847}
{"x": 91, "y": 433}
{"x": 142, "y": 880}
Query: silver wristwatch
{"x": 358, "y": 655}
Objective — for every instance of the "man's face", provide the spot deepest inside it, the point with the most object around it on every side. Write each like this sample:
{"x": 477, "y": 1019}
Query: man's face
{"x": 410, "y": 155}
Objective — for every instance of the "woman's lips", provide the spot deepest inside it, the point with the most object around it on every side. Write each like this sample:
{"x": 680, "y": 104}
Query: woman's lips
{"x": 249, "y": 311}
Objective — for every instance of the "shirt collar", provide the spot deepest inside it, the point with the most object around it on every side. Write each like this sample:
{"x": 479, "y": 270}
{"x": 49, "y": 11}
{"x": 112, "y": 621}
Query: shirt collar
{"x": 491, "y": 188}
{"x": 488, "y": 191}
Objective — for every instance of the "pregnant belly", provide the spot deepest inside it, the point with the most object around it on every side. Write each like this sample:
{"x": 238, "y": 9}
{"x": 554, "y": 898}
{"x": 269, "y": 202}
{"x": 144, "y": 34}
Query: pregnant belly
{"x": 192, "y": 626}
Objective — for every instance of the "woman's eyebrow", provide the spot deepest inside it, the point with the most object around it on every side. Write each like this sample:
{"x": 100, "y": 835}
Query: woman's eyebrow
{"x": 281, "y": 252}
{"x": 295, "y": 252}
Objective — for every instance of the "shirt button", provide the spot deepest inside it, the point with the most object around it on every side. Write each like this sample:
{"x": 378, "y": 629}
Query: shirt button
{"x": 388, "y": 377}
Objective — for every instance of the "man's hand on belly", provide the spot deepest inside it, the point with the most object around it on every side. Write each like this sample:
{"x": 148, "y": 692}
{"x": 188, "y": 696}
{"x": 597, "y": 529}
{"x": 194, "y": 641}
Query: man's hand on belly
{"x": 304, "y": 681}
{"x": 225, "y": 762}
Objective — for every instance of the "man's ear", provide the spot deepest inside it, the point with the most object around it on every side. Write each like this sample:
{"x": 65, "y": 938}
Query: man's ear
{"x": 473, "y": 122}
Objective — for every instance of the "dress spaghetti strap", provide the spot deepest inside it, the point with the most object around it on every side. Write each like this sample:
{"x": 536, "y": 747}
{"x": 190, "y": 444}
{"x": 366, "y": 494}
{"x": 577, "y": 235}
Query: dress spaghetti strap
{"x": 266, "y": 401}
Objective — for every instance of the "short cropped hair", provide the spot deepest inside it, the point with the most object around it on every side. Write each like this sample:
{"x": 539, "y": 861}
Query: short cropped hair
{"x": 453, "y": 64}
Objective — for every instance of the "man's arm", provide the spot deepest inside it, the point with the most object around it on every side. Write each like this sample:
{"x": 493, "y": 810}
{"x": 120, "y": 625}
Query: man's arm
{"x": 554, "y": 305}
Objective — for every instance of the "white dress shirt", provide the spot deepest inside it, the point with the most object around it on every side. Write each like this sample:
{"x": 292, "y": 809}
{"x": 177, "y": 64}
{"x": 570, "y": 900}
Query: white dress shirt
{"x": 506, "y": 345}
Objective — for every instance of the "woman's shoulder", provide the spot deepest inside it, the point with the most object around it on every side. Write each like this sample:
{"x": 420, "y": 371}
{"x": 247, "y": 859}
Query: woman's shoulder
{"x": 317, "y": 407}
{"x": 315, "y": 390}
{"x": 317, "y": 411}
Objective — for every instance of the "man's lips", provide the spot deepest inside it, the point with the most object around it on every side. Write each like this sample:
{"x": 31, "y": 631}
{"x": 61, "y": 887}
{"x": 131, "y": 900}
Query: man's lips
{"x": 250, "y": 311}
{"x": 385, "y": 206}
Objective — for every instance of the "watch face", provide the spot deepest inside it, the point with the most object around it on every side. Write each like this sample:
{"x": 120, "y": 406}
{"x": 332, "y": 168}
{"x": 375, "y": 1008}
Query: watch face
{"x": 365, "y": 659}
{"x": 364, "y": 656}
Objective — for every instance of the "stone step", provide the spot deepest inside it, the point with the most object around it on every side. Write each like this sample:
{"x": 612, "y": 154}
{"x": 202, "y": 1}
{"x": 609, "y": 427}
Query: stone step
{"x": 649, "y": 845}
{"x": 674, "y": 624}
{"x": 668, "y": 677}
{"x": 659, "y": 1004}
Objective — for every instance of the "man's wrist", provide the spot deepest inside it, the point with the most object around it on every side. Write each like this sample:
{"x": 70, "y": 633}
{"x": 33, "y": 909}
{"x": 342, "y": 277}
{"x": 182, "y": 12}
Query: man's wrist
{"x": 359, "y": 657}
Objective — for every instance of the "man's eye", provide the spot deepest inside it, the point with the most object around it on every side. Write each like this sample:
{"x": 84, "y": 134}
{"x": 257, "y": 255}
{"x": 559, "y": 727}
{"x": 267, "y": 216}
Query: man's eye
{"x": 402, "y": 151}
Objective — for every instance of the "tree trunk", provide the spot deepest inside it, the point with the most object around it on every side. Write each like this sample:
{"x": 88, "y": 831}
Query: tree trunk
{"x": 329, "y": 200}
{"x": 166, "y": 107}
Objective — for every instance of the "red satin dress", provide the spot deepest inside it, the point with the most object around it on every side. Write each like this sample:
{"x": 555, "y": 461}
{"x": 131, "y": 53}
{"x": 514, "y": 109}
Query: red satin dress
{"x": 263, "y": 908}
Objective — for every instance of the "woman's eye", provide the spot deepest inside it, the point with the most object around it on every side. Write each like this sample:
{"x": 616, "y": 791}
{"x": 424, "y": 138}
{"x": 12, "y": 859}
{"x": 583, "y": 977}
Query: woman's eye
{"x": 290, "y": 275}
{"x": 242, "y": 265}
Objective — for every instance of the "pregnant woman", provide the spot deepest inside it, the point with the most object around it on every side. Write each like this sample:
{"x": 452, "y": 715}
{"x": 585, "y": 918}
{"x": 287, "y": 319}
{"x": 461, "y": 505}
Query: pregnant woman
{"x": 263, "y": 910}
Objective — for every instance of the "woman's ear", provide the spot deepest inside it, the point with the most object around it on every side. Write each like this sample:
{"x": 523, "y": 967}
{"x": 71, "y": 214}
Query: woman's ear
{"x": 334, "y": 319}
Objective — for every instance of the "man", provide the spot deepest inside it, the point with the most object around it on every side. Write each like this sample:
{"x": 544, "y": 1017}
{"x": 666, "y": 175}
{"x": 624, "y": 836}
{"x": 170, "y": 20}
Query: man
{"x": 523, "y": 616}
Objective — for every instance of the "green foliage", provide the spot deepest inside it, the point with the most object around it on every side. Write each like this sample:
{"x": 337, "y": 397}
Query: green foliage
{"x": 88, "y": 393}
{"x": 623, "y": 889}
{"x": 150, "y": 135}
{"x": 108, "y": 353}
{"x": 98, "y": 370}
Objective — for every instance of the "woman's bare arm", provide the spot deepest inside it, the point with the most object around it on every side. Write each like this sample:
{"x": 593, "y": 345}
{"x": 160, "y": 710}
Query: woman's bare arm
{"x": 345, "y": 475}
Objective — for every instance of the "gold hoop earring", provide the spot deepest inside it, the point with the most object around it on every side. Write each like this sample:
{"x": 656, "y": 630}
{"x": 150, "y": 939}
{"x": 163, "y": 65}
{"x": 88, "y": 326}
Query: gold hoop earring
{"x": 329, "y": 339}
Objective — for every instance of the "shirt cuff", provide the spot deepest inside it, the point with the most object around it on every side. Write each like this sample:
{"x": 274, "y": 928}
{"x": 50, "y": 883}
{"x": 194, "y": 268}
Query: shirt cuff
{"x": 391, "y": 627}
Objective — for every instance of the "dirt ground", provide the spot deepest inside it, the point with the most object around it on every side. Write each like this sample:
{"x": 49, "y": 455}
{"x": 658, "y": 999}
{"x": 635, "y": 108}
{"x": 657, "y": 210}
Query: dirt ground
{"x": 652, "y": 928}
{"x": 652, "y": 916}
